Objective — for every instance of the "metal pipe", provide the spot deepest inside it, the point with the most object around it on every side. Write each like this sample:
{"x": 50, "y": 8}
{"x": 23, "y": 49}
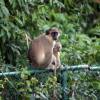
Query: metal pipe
{"x": 65, "y": 68}
{"x": 64, "y": 84}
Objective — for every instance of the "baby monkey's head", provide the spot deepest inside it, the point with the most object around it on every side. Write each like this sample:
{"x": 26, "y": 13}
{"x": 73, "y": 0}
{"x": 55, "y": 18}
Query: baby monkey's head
{"x": 57, "y": 47}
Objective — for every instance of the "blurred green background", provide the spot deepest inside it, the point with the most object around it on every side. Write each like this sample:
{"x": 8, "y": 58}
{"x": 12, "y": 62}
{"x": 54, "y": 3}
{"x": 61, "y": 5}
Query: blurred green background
{"x": 79, "y": 21}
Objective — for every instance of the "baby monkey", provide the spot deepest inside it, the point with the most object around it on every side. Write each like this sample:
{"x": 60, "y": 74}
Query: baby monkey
{"x": 55, "y": 62}
{"x": 56, "y": 51}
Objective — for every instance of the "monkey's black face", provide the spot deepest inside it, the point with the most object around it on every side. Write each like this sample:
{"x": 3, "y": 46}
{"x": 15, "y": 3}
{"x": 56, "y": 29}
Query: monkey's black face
{"x": 54, "y": 35}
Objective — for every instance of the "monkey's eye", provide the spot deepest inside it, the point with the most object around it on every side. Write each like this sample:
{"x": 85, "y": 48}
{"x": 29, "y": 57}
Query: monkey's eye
{"x": 54, "y": 33}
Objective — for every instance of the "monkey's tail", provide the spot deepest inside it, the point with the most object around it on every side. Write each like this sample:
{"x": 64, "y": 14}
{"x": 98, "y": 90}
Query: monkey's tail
{"x": 28, "y": 40}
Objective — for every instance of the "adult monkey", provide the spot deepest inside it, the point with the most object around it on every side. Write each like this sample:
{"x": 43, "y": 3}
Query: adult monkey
{"x": 41, "y": 49}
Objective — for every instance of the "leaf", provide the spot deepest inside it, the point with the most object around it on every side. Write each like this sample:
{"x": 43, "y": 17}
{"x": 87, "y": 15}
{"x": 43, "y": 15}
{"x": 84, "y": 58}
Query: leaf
{"x": 13, "y": 3}
{"x": 5, "y": 11}
{"x": 2, "y": 2}
{"x": 20, "y": 2}
{"x": 19, "y": 21}
{"x": 43, "y": 96}
{"x": 1, "y": 13}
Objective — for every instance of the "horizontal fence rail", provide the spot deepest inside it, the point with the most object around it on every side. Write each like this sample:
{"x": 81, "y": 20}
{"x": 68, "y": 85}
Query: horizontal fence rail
{"x": 65, "y": 68}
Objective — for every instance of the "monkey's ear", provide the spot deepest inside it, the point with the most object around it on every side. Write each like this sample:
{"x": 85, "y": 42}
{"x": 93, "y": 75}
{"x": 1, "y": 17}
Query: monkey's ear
{"x": 47, "y": 32}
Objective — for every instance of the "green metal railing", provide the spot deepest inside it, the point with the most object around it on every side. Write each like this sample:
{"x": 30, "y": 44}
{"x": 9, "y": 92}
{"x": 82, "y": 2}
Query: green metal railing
{"x": 63, "y": 71}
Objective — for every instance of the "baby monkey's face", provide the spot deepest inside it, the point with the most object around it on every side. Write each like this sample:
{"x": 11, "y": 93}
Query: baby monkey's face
{"x": 57, "y": 47}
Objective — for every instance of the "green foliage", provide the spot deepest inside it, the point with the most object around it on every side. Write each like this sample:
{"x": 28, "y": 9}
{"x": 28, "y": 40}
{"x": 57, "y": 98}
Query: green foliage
{"x": 80, "y": 49}
{"x": 79, "y": 21}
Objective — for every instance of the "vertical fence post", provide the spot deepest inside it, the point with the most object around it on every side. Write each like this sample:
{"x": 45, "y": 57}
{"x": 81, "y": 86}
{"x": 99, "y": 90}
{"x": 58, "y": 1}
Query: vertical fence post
{"x": 64, "y": 83}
